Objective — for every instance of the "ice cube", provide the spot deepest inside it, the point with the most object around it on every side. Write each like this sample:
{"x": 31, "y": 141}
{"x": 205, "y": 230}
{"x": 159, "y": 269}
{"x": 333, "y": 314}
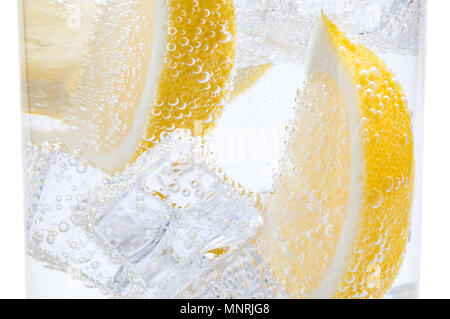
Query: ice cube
{"x": 265, "y": 31}
{"x": 265, "y": 27}
{"x": 56, "y": 240}
{"x": 166, "y": 212}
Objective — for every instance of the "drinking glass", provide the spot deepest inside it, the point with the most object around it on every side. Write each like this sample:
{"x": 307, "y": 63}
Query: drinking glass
{"x": 222, "y": 148}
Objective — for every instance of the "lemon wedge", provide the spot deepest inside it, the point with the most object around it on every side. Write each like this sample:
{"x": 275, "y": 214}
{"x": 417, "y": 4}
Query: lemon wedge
{"x": 336, "y": 223}
{"x": 246, "y": 77}
{"x": 150, "y": 67}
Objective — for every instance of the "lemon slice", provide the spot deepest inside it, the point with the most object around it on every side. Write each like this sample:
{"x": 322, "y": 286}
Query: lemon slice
{"x": 150, "y": 67}
{"x": 336, "y": 223}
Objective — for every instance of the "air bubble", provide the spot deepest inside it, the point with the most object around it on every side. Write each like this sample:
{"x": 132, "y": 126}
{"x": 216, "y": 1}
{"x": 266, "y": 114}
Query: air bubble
{"x": 375, "y": 199}
{"x": 50, "y": 239}
{"x": 95, "y": 264}
{"x": 227, "y": 37}
{"x": 63, "y": 227}
{"x": 81, "y": 168}
{"x": 184, "y": 42}
{"x": 206, "y": 77}
{"x": 172, "y": 30}
{"x": 329, "y": 231}
{"x": 388, "y": 184}
{"x": 369, "y": 93}
{"x": 171, "y": 46}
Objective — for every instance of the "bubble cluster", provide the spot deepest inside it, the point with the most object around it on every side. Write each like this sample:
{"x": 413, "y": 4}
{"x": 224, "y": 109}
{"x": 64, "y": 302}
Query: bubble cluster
{"x": 392, "y": 26}
{"x": 115, "y": 73}
{"x": 239, "y": 274}
{"x": 279, "y": 30}
{"x": 305, "y": 212}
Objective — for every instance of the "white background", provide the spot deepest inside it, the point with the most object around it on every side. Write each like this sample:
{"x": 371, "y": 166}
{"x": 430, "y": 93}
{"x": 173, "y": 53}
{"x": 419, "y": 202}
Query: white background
{"x": 436, "y": 210}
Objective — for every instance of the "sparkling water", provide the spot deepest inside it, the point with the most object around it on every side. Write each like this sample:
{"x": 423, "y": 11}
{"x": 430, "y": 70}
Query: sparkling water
{"x": 181, "y": 219}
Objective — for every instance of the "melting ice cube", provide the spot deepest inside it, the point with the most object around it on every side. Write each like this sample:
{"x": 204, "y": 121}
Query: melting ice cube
{"x": 166, "y": 213}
